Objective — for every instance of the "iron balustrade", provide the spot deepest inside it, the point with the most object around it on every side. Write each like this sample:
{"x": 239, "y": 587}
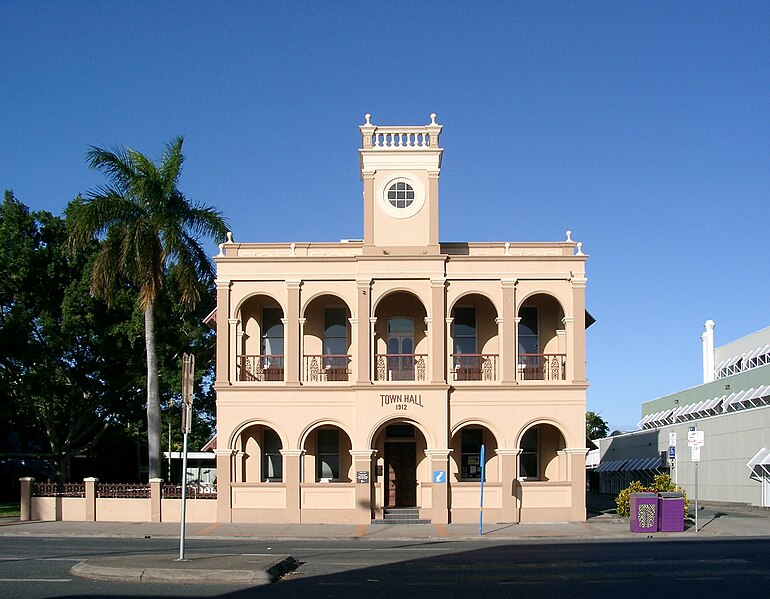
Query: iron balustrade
{"x": 194, "y": 491}
{"x": 542, "y": 367}
{"x": 262, "y": 367}
{"x": 474, "y": 367}
{"x": 400, "y": 367}
{"x": 326, "y": 367}
{"x": 58, "y": 490}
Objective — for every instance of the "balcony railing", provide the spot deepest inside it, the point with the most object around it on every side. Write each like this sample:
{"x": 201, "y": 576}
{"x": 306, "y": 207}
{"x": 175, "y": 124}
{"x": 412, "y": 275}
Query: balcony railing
{"x": 542, "y": 367}
{"x": 326, "y": 367}
{"x": 400, "y": 367}
{"x": 474, "y": 367}
{"x": 260, "y": 368}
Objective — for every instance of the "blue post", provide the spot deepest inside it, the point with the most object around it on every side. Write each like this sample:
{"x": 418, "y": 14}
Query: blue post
{"x": 481, "y": 504}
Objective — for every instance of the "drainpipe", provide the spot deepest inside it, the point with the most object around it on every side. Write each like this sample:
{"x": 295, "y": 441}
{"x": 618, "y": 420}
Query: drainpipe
{"x": 708, "y": 351}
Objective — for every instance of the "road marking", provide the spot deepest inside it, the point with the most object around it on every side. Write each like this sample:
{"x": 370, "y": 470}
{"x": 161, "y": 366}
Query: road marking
{"x": 35, "y": 580}
{"x": 208, "y": 529}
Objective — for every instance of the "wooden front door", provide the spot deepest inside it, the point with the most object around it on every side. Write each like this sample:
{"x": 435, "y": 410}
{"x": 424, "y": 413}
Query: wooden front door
{"x": 400, "y": 465}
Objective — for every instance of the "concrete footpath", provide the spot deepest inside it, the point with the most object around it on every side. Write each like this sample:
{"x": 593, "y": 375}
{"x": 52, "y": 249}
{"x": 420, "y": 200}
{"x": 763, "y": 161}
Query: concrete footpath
{"x": 713, "y": 522}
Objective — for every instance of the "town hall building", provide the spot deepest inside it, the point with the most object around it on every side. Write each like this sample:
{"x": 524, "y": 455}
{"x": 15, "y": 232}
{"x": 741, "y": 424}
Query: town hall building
{"x": 360, "y": 380}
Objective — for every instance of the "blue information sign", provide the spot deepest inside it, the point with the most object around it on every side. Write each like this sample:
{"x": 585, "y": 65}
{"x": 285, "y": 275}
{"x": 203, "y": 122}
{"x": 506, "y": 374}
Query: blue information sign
{"x": 672, "y": 452}
{"x": 439, "y": 476}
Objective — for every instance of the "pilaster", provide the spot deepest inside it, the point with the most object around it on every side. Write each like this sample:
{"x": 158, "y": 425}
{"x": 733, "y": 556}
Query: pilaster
{"x": 234, "y": 340}
{"x": 291, "y": 334}
{"x": 364, "y": 349}
{"x": 436, "y": 334}
{"x": 509, "y": 474}
{"x": 362, "y": 462}
{"x": 439, "y": 462}
{"x": 223, "y": 334}
{"x": 508, "y": 335}
{"x": 578, "y": 337}
{"x": 292, "y": 472}
{"x": 90, "y": 498}
{"x": 224, "y": 478}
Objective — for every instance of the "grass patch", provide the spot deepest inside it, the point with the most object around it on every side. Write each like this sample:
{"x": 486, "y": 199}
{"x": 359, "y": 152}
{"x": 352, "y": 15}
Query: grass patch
{"x": 9, "y": 508}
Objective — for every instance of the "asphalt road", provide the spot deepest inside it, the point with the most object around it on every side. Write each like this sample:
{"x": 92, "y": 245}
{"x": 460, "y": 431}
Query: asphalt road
{"x": 649, "y": 568}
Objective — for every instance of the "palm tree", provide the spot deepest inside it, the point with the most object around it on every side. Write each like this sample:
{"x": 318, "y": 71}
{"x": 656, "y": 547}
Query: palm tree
{"x": 146, "y": 224}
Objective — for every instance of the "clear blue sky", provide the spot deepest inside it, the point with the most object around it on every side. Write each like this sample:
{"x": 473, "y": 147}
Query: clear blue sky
{"x": 643, "y": 127}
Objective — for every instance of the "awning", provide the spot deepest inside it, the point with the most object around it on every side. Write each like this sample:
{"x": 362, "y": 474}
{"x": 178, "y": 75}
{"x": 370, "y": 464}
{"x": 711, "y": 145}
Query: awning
{"x": 643, "y": 464}
{"x": 759, "y": 464}
{"x": 612, "y": 466}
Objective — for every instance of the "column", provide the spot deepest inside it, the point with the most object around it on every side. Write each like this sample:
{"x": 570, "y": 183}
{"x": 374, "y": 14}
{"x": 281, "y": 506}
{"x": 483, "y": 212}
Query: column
{"x": 368, "y": 178}
{"x": 291, "y": 334}
{"x": 569, "y": 343}
{"x": 508, "y": 335}
{"x": 363, "y": 358}
{"x": 234, "y": 342}
{"x": 561, "y": 344}
{"x": 576, "y": 474}
{"x": 155, "y": 500}
{"x": 509, "y": 474}
{"x": 90, "y": 484}
{"x": 224, "y": 478}
{"x": 436, "y": 335}
{"x": 354, "y": 366}
{"x": 362, "y": 462}
{"x": 439, "y": 462}
{"x": 373, "y": 355}
{"x": 25, "y": 511}
{"x": 577, "y": 337}
{"x": 292, "y": 472}
{"x": 302, "y": 373}
{"x": 223, "y": 340}
{"x": 449, "y": 349}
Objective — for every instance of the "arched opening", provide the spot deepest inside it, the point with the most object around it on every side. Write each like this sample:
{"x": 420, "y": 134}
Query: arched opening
{"x": 401, "y": 464}
{"x": 466, "y": 454}
{"x": 474, "y": 339}
{"x": 259, "y": 454}
{"x": 542, "y": 351}
{"x": 260, "y": 346}
{"x": 326, "y": 340}
{"x": 401, "y": 339}
{"x": 540, "y": 457}
{"x": 327, "y": 455}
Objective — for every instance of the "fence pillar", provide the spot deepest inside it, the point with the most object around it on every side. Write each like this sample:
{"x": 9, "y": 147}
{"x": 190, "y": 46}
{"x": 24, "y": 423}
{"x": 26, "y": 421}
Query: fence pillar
{"x": 155, "y": 497}
{"x": 90, "y": 498}
{"x": 25, "y": 507}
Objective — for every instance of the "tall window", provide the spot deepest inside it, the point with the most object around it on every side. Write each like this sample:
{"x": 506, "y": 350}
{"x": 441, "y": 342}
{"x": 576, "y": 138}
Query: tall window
{"x": 400, "y": 349}
{"x": 465, "y": 331}
{"x": 328, "y": 451}
{"x": 272, "y": 332}
{"x": 529, "y": 463}
{"x": 272, "y": 460}
{"x": 335, "y": 332}
{"x": 528, "y": 331}
{"x": 470, "y": 447}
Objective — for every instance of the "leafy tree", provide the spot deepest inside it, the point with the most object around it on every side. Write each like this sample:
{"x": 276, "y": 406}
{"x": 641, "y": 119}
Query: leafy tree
{"x": 596, "y": 427}
{"x": 66, "y": 365}
{"x": 146, "y": 225}
{"x": 661, "y": 482}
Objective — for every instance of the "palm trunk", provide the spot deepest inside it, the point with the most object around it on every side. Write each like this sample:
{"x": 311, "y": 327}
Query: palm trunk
{"x": 153, "y": 394}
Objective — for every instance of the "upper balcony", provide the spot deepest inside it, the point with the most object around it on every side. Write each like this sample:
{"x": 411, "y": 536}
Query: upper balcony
{"x": 400, "y": 337}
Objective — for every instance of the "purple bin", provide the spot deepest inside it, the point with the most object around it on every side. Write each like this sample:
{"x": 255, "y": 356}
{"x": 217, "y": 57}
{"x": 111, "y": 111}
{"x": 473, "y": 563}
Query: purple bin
{"x": 670, "y": 512}
{"x": 644, "y": 512}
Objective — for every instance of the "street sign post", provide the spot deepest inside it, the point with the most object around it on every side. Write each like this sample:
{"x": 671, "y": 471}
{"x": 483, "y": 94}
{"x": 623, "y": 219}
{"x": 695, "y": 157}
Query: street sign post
{"x": 188, "y": 376}
{"x": 695, "y": 440}
{"x": 481, "y": 503}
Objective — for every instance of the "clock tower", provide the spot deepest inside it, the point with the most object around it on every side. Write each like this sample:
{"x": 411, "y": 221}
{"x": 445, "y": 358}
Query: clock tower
{"x": 400, "y": 169}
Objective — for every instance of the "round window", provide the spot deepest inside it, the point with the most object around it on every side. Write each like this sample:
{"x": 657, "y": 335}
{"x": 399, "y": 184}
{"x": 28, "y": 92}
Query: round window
{"x": 400, "y": 194}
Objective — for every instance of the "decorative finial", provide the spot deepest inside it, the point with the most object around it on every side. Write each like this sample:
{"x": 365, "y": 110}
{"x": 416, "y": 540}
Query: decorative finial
{"x": 569, "y": 236}
{"x": 293, "y": 247}
{"x": 432, "y": 118}
{"x": 579, "y": 249}
{"x": 221, "y": 250}
{"x": 367, "y": 116}
{"x": 229, "y": 237}
{"x": 507, "y": 248}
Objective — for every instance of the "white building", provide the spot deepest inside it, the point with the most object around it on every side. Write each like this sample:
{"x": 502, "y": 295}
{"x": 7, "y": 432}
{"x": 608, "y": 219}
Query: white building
{"x": 731, "y": 407}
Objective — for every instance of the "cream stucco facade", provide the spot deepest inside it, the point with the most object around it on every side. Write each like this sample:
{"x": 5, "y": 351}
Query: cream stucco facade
{"x": 357, "y": 378}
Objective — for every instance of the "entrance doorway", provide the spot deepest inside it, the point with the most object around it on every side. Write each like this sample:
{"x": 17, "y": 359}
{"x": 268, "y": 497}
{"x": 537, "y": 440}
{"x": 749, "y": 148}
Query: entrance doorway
{"x": 401, "y": 474}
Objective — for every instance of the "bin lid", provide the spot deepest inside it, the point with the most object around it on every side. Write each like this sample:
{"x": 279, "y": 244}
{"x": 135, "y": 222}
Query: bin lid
{"x": 670, "y": 495}
{"x": 645, "y": 495}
